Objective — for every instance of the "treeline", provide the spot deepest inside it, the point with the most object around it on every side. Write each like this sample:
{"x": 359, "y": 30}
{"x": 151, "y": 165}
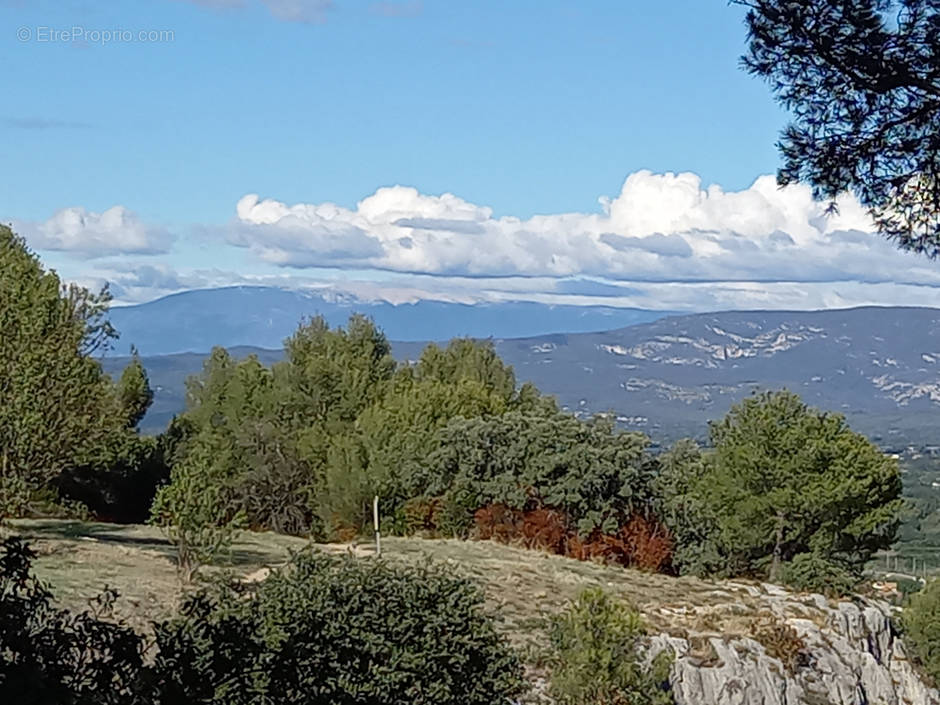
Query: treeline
{"x": 451, "y": 444}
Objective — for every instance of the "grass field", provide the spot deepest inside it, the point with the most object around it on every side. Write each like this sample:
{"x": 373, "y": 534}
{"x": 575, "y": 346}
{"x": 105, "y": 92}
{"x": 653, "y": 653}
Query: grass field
{"x": 524, "y": 587}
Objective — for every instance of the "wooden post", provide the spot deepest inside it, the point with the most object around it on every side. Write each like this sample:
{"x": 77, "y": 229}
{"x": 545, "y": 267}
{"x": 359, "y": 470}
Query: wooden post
{"x": 375, "y": 522}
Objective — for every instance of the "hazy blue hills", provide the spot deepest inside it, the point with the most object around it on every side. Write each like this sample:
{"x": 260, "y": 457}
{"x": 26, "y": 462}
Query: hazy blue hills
{"x": 879, "y": 366}
{"x": 195, "y": 321}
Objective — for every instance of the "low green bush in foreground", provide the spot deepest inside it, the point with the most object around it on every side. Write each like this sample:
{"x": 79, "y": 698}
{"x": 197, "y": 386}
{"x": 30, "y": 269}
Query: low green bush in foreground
{"x": 325, "y": 629}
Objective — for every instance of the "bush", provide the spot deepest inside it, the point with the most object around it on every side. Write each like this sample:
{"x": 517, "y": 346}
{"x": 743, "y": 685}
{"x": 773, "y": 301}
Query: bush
{"x": 339, "y": 630}
{"x": 123, "y": 490}
{"x": 641, "y": 542}
{"x": 598, "y": 657}
{"x": 781, "y": 641}
{"x": 196, "y": 514}
{"x": 920, "y": 621}
{"x": 49, "y": 656}
{"x": 813, "y": 573}
{"x": 325, "y": 630}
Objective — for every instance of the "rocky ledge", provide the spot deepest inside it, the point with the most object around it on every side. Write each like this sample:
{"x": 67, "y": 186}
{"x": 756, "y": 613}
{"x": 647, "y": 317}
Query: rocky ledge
{"x": 799, "y": 650}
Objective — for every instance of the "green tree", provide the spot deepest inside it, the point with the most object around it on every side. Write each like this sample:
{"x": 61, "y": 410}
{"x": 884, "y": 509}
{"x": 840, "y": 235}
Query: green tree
{"x": 599, "y": 659}
{"x": 333, "y": 374}
{"x": 239, "y": 410}
{"x": 134, "y": 392}
{"x": 686, "y": 512}
{"x": 598, "y": 476}
{"x": 785, "y": 480}
{"x": 465, "y": 359}
{"x": 385, "y": 451}
{"x": 400, "y": 432}
{"x": 57, "y": 407}
{"x": 197, "y": 511}
{"x": 862, "y": 80}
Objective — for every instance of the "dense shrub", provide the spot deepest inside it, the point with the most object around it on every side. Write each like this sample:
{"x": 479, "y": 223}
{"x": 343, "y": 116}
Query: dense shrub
{"x": 813, "y": 573}
{"x": 325, "y": 630}
{"x": 49, "y": 656}
{"x": 920, "y": 621}
{"x": 599, "y": 658}
{"x": 642, "y": 542}
{"x": 595, "y": 474}
{"x": 342, "y": 631}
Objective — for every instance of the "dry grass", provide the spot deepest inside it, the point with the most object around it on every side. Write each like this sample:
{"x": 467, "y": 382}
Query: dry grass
{"x": 525, "y": 587}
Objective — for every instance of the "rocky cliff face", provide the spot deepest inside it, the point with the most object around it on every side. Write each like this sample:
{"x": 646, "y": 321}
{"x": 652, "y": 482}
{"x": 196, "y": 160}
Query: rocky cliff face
{"x": 802, "y": 650}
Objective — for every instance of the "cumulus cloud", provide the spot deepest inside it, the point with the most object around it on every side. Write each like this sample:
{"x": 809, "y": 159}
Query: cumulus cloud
{"x": 305, "y": 11}
{"x": 665, "y": 241}
{"x": 116, "y": 231}
{"x": 660, "y": 227}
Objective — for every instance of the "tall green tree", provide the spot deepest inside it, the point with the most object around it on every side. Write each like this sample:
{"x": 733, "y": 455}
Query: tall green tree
{"x": 333, "y": 374}
{"x": 237, "y": 421}
{"x": 786, "y": 483}
{"x": 861, "y": 79}
{"x": 134, "y": 392}
{"x": 470, "y": 360}
{"x": 388, "y": 451}
{"x": 57, "y": 407}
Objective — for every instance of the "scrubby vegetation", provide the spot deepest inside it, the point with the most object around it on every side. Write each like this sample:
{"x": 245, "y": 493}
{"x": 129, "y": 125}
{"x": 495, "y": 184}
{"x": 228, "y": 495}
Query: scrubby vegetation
{"x": 921, "y": 623}
{"x": 599, "y": 659}
{"x": 453, "y": 447}
{"x": 450, "y": 444}
{"x": 325, "y": 629}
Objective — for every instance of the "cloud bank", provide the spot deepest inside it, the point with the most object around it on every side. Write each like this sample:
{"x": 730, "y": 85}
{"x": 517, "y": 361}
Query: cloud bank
{"x": 663, "y": 242}
{"x": 660, "y": 228}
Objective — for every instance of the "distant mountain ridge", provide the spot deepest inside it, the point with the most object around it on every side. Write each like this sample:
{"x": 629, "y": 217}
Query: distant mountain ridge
{"x": 195, "y": 321}
{"x": 668, "y": 378}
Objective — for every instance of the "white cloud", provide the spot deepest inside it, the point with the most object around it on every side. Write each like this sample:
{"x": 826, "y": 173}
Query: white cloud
{"x": 116, "y": 231}
{"x": 664, "y": 242}
{"x": 661, "y": 227}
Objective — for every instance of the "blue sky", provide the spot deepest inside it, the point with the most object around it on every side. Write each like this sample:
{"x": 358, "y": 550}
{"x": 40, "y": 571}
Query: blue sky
{"x": 252, "y": 140}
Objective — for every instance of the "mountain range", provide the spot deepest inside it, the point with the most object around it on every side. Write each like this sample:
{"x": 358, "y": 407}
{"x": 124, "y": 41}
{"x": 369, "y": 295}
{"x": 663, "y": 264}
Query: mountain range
{"x": 668, "y": 378}
{"x": 195, "y": 321}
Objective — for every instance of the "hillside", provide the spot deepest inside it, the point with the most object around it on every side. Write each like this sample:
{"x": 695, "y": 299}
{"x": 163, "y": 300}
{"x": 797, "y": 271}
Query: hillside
{"x": 668, "y": 378}
{"x": 721, "y": 632}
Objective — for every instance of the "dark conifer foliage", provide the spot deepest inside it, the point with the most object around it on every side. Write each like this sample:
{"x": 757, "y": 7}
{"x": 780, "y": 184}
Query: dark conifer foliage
{"x": 862, "y": 81}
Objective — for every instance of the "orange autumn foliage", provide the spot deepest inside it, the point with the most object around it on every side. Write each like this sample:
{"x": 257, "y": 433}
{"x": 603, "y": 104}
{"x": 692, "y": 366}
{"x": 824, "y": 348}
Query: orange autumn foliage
{"x": 641, "y": 542}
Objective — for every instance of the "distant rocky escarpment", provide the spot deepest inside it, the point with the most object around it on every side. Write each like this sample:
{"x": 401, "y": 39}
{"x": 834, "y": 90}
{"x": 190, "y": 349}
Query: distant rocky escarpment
{"x": 878, "y": 366}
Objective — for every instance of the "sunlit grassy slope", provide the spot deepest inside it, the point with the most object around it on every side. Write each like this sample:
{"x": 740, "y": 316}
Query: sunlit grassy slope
{"x": 523, "y": 587}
